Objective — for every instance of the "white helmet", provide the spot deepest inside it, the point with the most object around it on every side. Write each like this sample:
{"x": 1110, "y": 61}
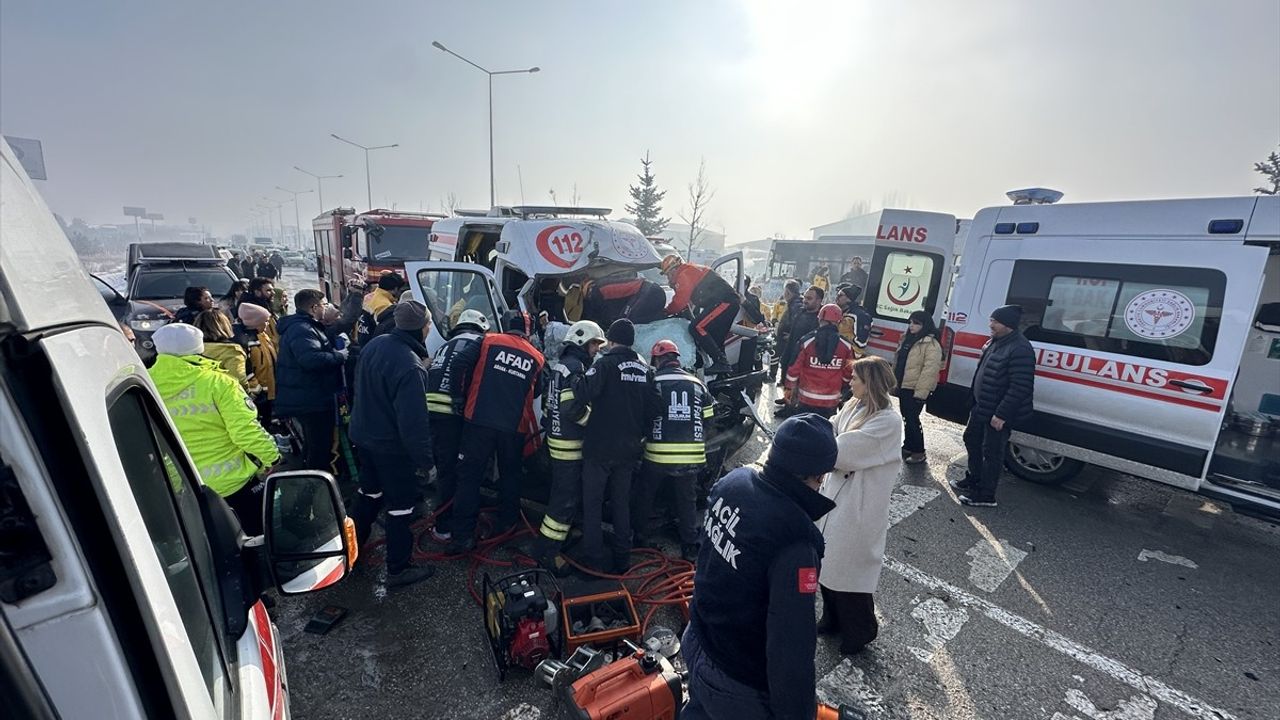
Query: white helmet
{"x": 474, "y": 317}
{"x": 583, "y": 332}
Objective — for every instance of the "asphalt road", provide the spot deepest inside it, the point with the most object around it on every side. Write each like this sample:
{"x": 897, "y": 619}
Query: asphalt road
{"x": 1110, "y": 598}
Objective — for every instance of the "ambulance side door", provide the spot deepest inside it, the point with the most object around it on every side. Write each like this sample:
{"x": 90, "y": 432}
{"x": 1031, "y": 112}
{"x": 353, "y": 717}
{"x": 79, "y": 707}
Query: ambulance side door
{"x": 732, "y": 268}
{"x": 448, "y": 288}
{"x": 910, "y": 270}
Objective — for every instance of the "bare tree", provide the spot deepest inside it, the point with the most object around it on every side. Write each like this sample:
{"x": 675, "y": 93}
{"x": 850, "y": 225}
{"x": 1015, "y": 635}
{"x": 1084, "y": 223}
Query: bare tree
{"x": 552, "y": 193}
{"x": 1270, "y": 169}
{"x": 700, "y": 196}
{"x": 574, "y": 202}
{"x": 450, "y": 203}
{"x": 861, "y": 207}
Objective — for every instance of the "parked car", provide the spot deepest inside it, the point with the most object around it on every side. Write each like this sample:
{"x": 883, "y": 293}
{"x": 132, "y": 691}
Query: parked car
{"x": 158, "y": 274}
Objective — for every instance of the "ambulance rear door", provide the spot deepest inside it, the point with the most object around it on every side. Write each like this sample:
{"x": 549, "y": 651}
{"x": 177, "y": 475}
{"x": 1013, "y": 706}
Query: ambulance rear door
{"x": 448, "y": 288}
{"x": 910, "y": 270}
{"x": 732, "y": 268}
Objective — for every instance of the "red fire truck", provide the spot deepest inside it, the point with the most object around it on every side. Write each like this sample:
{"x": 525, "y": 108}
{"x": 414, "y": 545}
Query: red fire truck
{"x": 362, "y": 245}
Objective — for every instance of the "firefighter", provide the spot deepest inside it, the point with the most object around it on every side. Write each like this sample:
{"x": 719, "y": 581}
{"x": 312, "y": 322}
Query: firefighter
{"x": 566, "y": 417}
{"x": 448, "y": 380}
{"x": 855, "y": 325}
{"x": 823, "y": 364}
{"x": 675, "y": 451}
{"x": 712, "y": 301}
{"x": 620, "y": 388}
{"x": 497, "y": 412}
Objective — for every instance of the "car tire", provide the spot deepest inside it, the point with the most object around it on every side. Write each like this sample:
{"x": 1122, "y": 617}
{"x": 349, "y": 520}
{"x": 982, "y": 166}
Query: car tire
{"x": 1039, "y": 466}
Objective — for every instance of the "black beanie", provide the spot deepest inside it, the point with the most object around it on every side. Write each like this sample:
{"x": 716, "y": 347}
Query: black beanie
{"x": 1008, "y": 315}
{"x": 622, "y": 332}
{"x": 803, "y": 446}
{"x": 516, "y": 321}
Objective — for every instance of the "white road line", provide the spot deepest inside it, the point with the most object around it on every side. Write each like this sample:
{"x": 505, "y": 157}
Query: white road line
{"x": 989, "y": 565}
{"x": 846, "y": 684}
{"x": 907, "y": 499}
{"x": 1146, "y": 555}
{"x": 1139, "y": 707}
{"x": 523, "y": 711}
{"x": 941, "y": 624}
{"x": 1060, "y": 643}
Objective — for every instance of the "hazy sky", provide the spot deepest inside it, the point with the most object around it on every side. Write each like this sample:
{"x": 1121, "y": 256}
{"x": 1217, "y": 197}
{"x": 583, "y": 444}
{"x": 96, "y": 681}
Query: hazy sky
{"x": 800, "y": 109}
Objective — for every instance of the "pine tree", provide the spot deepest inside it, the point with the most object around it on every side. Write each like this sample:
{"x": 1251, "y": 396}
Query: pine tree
{"x": 1270, "y": 169}
{"x": 646, "y": 201}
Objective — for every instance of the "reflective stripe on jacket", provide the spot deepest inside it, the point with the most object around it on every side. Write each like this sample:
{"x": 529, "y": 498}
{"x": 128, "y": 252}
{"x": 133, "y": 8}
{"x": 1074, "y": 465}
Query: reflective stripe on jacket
{"x": 820, "y": 383}
{"x": 449, "y": 375}
{"x": 566, "y": 413}
{"x": 677, "y": 435}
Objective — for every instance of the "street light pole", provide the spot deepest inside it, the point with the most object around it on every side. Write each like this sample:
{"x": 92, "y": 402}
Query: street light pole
{"x": 279, "y": 208}
{"x": 319, "y": 183}
{"x": 436, "y": 44}
{"x": 368, "y": 185}
{"x": 297, "y": 222}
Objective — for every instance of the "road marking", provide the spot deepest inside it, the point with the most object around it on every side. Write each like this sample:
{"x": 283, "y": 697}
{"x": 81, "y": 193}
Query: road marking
{"x": 1139, "y": 707}
{"x": 907, "y": 499}
{"x": 941, "y": 623}
{"x": 1146, "y": 555}
{"x": 1060, "y": 643}
{"x": 523, "y": 711}
{"x": 846, "y": 684}
{"x": 990, "y": 565}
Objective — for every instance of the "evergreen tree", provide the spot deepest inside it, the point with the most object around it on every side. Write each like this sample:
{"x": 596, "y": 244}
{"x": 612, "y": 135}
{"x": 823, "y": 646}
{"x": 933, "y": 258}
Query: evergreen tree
{"x": 1270, "y": 169}
{"x": 646, "y": 201}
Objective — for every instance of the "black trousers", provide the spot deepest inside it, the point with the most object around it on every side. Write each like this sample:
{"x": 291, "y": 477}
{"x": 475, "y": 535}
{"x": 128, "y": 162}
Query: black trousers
{"x": 683, "y": 480}
{"x": 387, "y": 479}
{"x": 562, "y": 507}
{"x": 317, "y": 439}
{"x": 986, "y": 447}
{"x": 479, "y": 444}
{"x": 614, "y": 477}
{"x": 446, "y": 443}
{"x": 912, "y": 430}
{"x": 853, "y": 615}
{"x": 246, "y": 503}
{"x": 710, "y": 326}
{"x": 825, "y": 412}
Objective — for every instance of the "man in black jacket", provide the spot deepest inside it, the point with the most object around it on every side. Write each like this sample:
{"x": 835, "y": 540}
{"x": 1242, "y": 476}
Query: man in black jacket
{"x": 791, "y": 304}
{"x": 620, "y": 388}
{"x": 802, "y": 319}
{"x": 752, "y": 635}
{"x": 308, "y": 378}
{"x": 1003, "y": 389}
{"x": 389, "y": 425}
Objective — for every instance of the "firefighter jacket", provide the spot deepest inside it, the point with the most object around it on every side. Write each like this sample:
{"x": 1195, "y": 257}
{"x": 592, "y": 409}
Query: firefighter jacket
{"x": 504, "y": 383}
{"x": 823, "y": 364}
{"x": 623, "y": 400}
{"x": 677, "y": 437}
{"x": 217, "y": 422}
{"x": 855, "y": 326}
{"x": 449, "y": 377}
{"x": 567, "y": 410}
{"x": 389, "y": 416}
{"x": 698, "y": 286}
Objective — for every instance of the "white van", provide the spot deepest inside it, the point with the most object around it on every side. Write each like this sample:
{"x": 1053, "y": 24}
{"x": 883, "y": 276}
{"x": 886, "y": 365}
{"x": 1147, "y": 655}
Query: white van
{"x": 127, "y": 589}
{"x": 1156, "y": 344}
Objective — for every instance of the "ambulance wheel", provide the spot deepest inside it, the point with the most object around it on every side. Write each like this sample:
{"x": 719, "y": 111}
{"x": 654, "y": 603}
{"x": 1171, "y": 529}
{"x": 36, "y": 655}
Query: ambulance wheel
{"x": 1039, "y": 466}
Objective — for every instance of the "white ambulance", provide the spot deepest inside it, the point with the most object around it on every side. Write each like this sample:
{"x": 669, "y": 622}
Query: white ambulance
{"x": 127, "y": 589}
{"x": 1156, "y": 339}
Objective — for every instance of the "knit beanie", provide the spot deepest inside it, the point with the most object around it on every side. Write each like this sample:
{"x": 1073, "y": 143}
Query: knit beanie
{"x": 253, "y": 316}
{"x": 803, "y": 446}
{"x": 178, "y": 339}
{"x": 410, "y": 315}
{"x": 1008, "y": 315}
{"x": 622, "y": 332}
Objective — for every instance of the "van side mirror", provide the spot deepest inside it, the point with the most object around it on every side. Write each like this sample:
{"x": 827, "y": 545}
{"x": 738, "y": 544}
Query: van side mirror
{"x": 310, "y": 541}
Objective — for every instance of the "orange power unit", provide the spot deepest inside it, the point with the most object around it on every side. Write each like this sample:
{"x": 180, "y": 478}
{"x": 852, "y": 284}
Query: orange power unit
{"x": 633, "y": 688}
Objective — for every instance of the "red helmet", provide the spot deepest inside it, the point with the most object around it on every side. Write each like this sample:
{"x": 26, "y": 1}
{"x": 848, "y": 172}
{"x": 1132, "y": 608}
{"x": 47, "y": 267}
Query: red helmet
{"x": 663, "y": 347}
{"x": 830, "y": 313}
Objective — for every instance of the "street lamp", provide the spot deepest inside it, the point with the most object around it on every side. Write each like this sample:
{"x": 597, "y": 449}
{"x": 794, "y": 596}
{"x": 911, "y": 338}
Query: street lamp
{"x": 297, "y": 223}
{"x": 368, "y": 187}
{"x": 436, "y": 44}
{"x": 319, "y": 184}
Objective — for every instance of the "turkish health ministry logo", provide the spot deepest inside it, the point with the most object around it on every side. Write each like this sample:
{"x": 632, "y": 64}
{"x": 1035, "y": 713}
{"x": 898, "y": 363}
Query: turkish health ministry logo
{"x": 1159, "y": 314}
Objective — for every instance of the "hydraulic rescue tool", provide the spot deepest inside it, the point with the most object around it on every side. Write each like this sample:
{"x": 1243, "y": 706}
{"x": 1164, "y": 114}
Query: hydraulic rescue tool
{"x": 520, "y": 619}
{"x": 640, "y": 686}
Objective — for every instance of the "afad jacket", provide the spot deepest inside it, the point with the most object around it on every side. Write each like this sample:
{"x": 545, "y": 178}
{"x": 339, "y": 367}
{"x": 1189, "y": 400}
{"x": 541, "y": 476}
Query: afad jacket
{"x": 217, "y": 421}
{"x": 677, "y": 436}
{"x": 823, "y": 365}
{"x": 504, "y": 383}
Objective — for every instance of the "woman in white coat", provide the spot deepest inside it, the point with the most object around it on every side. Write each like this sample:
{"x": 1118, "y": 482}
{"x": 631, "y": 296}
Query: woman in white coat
{"x": 869, "y": 440}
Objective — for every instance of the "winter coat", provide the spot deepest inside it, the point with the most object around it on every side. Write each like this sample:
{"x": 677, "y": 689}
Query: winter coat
{"x": 801, "y": 323}
{"x": 698, "y": 286}
{"x": 308, "y": 369}
{"x": 624, "y": 400}
{"x": 390, "y": 411}
{"x": 504, "y": 383}
{"x": 823, "y": 365}
{"x": 567, "y": 409}
{"x": 373, "y": 306}
{"x": 855, "y": 326}
{"x": 924, "y": 362}
{"x": 866, "y": 472}
{"x": 677, "y": 435}
{"x": 449, "y": 374}
{"x": 217, "y": 422}
{"x": 1004, "y": 384}
{"x": 262, "y": 357}
{"x": 186, "y": 315}
{"x": 232, "y": 359}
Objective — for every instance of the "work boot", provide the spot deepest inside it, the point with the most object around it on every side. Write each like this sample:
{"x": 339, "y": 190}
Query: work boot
{"x": 409, "y": 575}
{"x": 961, "y": 485}
{"x": 978, "y": 501}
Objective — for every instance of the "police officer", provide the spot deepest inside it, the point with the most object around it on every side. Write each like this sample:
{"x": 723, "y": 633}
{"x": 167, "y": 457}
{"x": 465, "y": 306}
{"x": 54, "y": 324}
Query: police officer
{"x": 498, "y": 411}
{"x": 565, "y": 418}
{"x": 623, "y": 398}
{"x": 675, "y": 450}
{"x": 448, "y": 380}
{"x": 821, "y": 369}
{"x": 713, "y": 302}
{"x": 752, "y": 634}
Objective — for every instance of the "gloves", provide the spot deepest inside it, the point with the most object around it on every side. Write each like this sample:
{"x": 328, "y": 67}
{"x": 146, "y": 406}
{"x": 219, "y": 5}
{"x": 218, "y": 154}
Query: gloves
{"x": 343, "y": 353}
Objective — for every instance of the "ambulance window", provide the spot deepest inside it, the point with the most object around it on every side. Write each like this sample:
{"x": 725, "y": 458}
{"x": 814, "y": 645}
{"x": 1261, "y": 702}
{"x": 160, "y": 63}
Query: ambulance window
{"x": 1161, "y": 313}
{"x": 449, "y": 292}
{"x": 904, "y": 282}
{"x": 171, "y": 513}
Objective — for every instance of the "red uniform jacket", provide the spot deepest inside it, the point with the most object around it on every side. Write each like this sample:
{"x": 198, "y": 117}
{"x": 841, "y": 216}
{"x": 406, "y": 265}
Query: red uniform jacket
{"x": 683, "y": 280}
{"x": 819, "y": 383}
{"x": 503, "y": 384}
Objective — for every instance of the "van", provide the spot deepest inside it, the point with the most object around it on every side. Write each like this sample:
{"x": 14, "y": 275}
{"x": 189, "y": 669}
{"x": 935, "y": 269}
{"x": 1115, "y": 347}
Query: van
{"x": 1156, "y": 339}
{"x": 127, "y": 589}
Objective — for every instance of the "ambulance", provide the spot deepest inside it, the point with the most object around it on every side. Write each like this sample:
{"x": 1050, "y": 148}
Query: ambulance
{"x": 1156, "y": 337}
{"x": 127, "y": 589}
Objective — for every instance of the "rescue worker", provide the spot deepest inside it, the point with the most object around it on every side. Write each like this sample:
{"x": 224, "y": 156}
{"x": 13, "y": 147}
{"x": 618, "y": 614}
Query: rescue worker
{"x": 636, "y": 299}
{"x": 713, "y": 302}
{"x": 499, "y": 405}
{"x": 308, "y": 378}
{"x": 855, "y": 325}
{"x": 195, "y": 300}
{"x": 448, "y": 381}
{"x": 216, "y": 421}
{"x": 675, "y": 451}
{"x": 566, "y": 415}
{"x": 821, "y": 369}
{"x": 377, "y": 304}
{"x": 623, "y": 398}
{"x": 801, "y": 320}
{"x": 262, "y": 355}
{"x": 752, "y": 635}
{"x": 390, "y": 427}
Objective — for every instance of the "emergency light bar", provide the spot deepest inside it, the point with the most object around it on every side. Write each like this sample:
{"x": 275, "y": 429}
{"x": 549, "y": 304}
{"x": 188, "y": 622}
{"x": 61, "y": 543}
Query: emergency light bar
{"x": 1034, "y": 196}
{"x": 525, "y": 211}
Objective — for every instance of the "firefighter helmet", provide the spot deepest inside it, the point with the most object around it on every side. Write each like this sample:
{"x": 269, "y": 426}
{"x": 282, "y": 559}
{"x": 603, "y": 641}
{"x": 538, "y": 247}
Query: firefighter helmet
{"x": 830, "y": 313}
{"x": 663, "y": 347}
{"x": 670, "y": 262}
{"x": 475, "y": 318}
{"x": 583, "y": 332}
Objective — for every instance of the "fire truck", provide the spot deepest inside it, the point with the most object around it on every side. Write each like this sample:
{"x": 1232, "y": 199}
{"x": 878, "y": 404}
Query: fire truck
{"x": 353, "y": 245}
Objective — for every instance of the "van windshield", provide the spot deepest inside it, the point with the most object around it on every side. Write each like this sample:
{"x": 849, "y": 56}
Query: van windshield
{"x": 399, "y": 243}
{"x": 167, "y": 284}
